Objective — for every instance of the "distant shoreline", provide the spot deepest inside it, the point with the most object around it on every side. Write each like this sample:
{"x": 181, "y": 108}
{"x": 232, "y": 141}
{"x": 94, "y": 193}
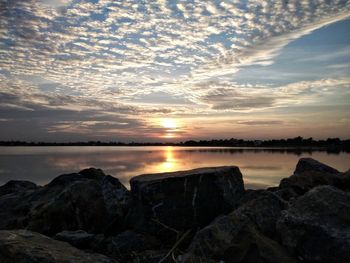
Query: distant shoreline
{"x": 333, "y": 145}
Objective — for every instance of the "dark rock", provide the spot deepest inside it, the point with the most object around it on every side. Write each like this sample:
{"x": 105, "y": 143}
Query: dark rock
{"x": 89, "y": 201}
{"x": 342, "y": 181}
{"x": 169, "y": 203}
{"x": 126, "y": 245}
{"x": 17, "y": 186}
{"x": 317, "y": 226}
{"x": 248, "y": 246}
{"x": 311, "y": 165}
{"x": 14, "y": 210}
{"x": 79, "y": 238}
{"x": 310, "y": 173}
{"x": 287, "y": 194}
{"x": 263, "y": 211}
{"x": 22, "y": 246}
{"x": 250, "y": 195}
{"x": 152, "y": 256}
{"x": 241, "y": 236}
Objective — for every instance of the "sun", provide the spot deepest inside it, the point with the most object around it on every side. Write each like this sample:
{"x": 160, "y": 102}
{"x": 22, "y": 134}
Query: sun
{"x": 169, "y": 123}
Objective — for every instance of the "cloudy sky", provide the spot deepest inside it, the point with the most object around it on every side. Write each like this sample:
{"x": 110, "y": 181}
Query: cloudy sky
{"x": 174, "y": 70}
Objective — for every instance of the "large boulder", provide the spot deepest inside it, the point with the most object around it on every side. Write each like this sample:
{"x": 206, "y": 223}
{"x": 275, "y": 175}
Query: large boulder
{"x": 245, "y": 235}
{"x": 22, "y": 246}
{"x": 316, "y": 227}
{"x": 310, "y": 173}
{"x": 167, "y": 204}
{"x": 307, "y": 165}
{"x": 88, "y": 200}
{"x": 15, "y": 186}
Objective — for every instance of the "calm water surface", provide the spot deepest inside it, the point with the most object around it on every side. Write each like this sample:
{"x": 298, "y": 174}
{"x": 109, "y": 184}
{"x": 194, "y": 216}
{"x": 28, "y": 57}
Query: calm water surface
{"x": 260, "y": 168}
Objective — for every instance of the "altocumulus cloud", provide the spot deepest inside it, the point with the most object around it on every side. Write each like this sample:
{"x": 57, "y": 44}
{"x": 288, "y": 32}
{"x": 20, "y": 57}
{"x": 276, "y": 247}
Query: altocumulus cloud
{"x": 93, "y": 57}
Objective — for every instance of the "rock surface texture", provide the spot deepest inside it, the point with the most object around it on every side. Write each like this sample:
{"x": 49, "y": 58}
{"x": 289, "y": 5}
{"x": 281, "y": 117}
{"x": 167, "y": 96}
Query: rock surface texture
{"x": 22, "y": 246}
{"x": 88, "y": 200}
{"x": 242, "y": 236}
{"x": 316, "y": 227}
{"x": 310, "y": 173}
{"x": 183, "y": 200}
{"x": 201, "y": 215}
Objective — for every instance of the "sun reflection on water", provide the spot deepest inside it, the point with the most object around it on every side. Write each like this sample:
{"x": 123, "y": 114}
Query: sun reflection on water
{"x": 170, "y": 163}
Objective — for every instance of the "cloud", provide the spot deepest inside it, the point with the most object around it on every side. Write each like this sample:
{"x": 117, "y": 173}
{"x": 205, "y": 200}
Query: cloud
{"x": 221, "y": 95}
{"x": 259, "y": 123}
{"x": 120, "y": 58}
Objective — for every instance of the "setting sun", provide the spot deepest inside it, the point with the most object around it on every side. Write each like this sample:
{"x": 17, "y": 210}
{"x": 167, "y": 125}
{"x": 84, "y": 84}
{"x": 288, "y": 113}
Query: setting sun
{"x": 169, "y": 123}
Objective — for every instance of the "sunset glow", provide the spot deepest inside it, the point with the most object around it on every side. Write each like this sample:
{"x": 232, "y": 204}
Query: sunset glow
{"x": 151, "y": 70}
{"x": 169, "y": 123}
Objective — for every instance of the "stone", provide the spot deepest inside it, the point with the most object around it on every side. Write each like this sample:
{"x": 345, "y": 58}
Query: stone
{"x": 15, "y": 186}
{"x": 88, "y": 200}
{"x": 245, "y": 235}
{"x": 125, "y": 245}
{"x": 22, "y": 246}
{"x": 310, "y": 173}
{"x": 167, "y": 204}
{"x": 79, "y": 238}
{"x": 311, "y": 165}
{"x": 316, "y": 228}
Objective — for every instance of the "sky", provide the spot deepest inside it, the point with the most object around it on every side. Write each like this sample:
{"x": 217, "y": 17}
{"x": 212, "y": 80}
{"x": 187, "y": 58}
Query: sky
{"x": 73, "y": 70}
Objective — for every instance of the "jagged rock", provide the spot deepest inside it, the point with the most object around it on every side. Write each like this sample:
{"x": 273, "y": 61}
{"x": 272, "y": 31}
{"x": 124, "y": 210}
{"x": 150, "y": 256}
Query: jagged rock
{"x": 125, "y": 245}
{"x": 14, "y": 186}
{"x": 22, "y": 246}
{"x": 241, "y": 236}
{"x": 169, "y": 203}
{"x": 79, "y": 238}
{"x": 310, "y": 173}
{"x": 316, "y": 227}
{"x": 88, "y": 200}
{"x": 311, "y": 165}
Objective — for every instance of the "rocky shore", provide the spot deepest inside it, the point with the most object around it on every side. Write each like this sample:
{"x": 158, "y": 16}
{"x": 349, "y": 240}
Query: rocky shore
{"x": 201, "y": 215}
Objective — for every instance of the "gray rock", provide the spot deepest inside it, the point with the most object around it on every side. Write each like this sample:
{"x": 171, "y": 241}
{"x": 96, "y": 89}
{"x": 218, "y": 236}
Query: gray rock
{"x": 125, "y": 245}
{"x": 310, "y": 173}
{"x": 88, "y": 200}
{"x": 242, "y": 236}
{"x": 317, "y": 226}
{"x": 79, "y": 238}
{"x": 311, "y": 165}
{"x": 22, "y": 246}
{"x": 14, "y": 186}
{"x": 169, "y": 203}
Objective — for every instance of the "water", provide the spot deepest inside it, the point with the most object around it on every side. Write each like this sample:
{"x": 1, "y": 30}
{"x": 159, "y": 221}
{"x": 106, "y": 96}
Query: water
{"x": 260, "y": 168}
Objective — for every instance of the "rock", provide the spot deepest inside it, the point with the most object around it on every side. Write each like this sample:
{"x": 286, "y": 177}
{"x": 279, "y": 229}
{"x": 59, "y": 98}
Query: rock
{"x": 79, "y": 238}
{"x": 169, "y": 203}
{"x": 342, "y": 181}
{"x": 88, "y": 200}
{"x": 14, "y": 210}
{"x": 249, "y": 246}
{"x": 151, "y": 256}
{"x": 310, "y": 173}
{"x": 311, "y": 165}
{"x": 17, "y": 186}
{"x": 241, "y": 236}
{"x": 126, "y": 245}
{"x": 316, "y": 227}
{"x": 22, "y": 246}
